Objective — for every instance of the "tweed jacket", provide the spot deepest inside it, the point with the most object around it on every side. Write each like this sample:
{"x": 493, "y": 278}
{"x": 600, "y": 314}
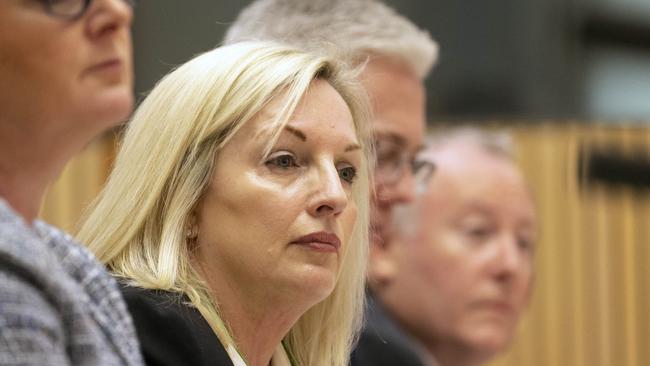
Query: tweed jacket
{"x": 58, "y": 306}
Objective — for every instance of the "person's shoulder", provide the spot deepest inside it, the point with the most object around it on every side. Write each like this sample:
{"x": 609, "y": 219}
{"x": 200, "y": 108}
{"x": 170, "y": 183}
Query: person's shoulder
{"x": 158, "y": 305}
{"x": 162, "y": 301}
{"x": 58, "y": 296}
{"x": 19, "y": 243}
{"x": 41, "y": 326}
{"x": 382, "y": 342}
{"x": 32, "y": 331}
{"x": 26, "y": 262}
{"x": 171, "y": 330}
{"x": 374, "y": 350}
{"x": 77, "y": 259}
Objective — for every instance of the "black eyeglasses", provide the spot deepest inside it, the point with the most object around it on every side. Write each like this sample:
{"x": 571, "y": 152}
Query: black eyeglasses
{"x": 70, "y": 9}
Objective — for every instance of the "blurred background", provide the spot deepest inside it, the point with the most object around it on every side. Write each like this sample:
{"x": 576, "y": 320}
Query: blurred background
{"x": 570, "y": 79}
{"x": 532, "y": 59}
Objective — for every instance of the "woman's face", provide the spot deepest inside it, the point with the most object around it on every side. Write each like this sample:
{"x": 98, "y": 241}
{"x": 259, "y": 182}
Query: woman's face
{"x": 283, "y": 222}
{"x": 64, "y": 76}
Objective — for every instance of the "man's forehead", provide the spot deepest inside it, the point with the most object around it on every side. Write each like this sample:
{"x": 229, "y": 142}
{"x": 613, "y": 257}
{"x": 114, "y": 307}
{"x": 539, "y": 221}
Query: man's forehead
{"x": 397, "y": 141}
{"x": 463, "y": 170}
{"x": 390, "y": 137}
{"x": 466, "y": 165}
{"x": 456, "y": 154}
{"x": 462, "y": 196}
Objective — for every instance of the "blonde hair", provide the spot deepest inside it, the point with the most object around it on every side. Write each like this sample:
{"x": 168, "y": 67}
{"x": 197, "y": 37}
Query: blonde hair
{"x": 361, "y": 27}
{"x": 138, "y": 224}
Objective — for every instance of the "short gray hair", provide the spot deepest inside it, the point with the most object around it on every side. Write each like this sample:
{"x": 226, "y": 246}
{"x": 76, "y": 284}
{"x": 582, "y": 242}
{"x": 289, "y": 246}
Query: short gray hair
{"x": 358, "y": 28}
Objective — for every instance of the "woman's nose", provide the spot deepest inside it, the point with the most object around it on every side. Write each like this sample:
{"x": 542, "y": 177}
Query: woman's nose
{"x": 109, "y": 16}
{"x": 330, "y": 197}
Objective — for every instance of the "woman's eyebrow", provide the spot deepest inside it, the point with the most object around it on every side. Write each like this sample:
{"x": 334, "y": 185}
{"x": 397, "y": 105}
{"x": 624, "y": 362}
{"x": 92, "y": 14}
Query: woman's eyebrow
{"x": 352, "y": 147}
{"x": 296, "y": 132}
{"x": 301, "y": 135}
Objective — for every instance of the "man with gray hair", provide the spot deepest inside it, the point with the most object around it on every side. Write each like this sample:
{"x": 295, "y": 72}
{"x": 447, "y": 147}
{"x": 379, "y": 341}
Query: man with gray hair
{"x": 458, "y": 273}
{"x": 396, "y": 57}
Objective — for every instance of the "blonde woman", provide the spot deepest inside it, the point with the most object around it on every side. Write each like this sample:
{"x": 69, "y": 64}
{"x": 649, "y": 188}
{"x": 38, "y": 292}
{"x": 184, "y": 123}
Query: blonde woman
{"x": 237, "y": 212}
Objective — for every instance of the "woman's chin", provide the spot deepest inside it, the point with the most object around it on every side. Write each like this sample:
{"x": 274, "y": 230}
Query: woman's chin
{"x": 112, "y": 107}
{"x": 314, "y": 283}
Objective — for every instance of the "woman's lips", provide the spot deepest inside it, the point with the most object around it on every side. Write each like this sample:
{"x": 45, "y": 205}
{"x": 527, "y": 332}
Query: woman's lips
{"x": 111, "y": 68}
{"x": 320, "y": 241}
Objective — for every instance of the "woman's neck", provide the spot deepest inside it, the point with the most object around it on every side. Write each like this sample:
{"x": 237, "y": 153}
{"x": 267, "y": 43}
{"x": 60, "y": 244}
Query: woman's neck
{"x": 257, "y": 318}
{"x": 27, "y": 167}
{"x": 23, "y": 184}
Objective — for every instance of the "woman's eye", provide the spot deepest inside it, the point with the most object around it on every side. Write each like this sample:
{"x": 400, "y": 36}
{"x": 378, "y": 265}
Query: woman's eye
{"x": 348, "y": 174}
{"x": 284, "y": 161}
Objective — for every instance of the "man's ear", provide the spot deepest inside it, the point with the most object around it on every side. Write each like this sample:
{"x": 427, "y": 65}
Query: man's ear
{"x": 382, "y": 266}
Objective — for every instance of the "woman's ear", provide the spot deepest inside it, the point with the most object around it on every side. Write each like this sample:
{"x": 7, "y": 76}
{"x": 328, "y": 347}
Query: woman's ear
{"x": 192, "y": 226}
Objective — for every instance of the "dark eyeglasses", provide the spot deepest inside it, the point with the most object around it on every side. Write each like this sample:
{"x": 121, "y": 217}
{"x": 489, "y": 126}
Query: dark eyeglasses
{"x": 70, "y": 9}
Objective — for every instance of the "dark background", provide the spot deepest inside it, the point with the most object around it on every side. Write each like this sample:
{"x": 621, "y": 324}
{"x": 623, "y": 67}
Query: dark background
{"x": 527, "y": 60}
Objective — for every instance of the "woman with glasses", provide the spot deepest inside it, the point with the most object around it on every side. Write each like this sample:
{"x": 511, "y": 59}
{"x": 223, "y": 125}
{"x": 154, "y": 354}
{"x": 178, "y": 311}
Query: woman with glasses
{"x": 237, "y": 211}
{"x": 65, "y": 76}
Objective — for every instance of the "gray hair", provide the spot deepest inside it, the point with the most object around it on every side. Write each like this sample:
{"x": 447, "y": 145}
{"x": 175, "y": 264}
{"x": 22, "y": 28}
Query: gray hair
{"x": 358, "y": 28}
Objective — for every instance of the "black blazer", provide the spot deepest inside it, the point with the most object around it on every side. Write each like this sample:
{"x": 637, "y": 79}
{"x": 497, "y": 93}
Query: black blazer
{"x": 172, "y": 333}
{"x": 382, "y": 342}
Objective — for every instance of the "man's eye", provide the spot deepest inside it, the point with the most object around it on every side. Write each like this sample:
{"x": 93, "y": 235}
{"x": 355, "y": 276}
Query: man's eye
{"x": 388, "y": 156}
{"x": 348, "y": 174}
{"x": 283, "y": 161}
{"x": 478, "y": 233}
{"x": 525, "y": 244}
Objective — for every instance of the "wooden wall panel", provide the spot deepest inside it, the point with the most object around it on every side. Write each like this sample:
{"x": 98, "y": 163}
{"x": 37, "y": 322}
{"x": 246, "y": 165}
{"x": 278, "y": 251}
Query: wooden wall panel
{"x": 592, "y": 292}
{"x": 80, "y": 181}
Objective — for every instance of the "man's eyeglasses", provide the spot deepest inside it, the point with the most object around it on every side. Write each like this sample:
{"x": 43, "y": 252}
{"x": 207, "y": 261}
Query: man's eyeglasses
{"x": 70, "y": 9}
{"x": 393, "y": 161}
